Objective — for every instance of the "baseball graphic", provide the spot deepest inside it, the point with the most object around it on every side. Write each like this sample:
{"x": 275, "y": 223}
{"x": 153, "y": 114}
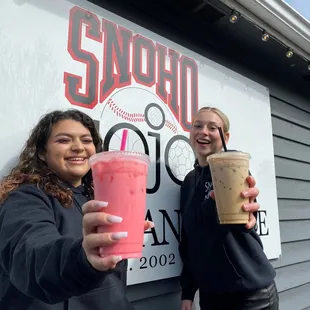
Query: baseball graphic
{"x": 141, "y": 108}
{"x": 151, "y": 127}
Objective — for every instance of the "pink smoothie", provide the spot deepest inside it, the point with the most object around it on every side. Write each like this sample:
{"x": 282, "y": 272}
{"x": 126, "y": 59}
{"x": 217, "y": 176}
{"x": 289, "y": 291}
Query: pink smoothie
{"x": 120, "y": 179}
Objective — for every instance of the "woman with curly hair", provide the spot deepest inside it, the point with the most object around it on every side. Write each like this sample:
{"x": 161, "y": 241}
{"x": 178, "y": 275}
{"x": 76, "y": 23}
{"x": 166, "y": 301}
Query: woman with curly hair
{"x": 49, "y": 245}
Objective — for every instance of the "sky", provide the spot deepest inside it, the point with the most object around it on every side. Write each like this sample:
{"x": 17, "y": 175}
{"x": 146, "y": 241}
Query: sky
{"x": 301, "y": 6}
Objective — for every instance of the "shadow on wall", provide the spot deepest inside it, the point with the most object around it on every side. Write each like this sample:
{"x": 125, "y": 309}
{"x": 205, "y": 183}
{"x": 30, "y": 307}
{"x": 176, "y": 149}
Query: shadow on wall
{"x": 7, "y": 167}
{"x": 19, "y": 2}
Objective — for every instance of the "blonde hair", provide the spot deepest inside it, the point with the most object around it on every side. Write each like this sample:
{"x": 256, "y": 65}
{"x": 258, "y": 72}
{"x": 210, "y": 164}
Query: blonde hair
{"x": 221, "y": 114}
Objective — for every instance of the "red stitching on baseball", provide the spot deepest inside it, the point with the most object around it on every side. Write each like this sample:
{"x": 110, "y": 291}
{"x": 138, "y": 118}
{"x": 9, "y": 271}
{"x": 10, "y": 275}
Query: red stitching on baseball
{"x": 131, "y": 117}
{"x": 134, "y": 117}
{"x": 171, "y": 126}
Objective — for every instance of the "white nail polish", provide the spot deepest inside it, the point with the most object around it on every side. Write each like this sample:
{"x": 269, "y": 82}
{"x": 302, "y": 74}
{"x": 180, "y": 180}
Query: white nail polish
{"x": 101, "y": 204}
{"x": 119, "y": 235}
{"x": 114, "y": 219}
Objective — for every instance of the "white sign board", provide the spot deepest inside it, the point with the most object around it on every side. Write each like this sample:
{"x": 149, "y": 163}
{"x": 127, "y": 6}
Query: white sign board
{"x": 124, "y": 76}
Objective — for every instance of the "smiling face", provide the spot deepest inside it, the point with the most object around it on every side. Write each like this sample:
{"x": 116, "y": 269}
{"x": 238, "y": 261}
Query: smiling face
{"x": 68, "y": 149}
{"x": 204, "y": 136}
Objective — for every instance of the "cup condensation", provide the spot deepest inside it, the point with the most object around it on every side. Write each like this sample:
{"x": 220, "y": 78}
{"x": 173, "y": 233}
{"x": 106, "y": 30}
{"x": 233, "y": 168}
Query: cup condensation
{"x": 120, "y": 178}
{"x": 229, "y": 171}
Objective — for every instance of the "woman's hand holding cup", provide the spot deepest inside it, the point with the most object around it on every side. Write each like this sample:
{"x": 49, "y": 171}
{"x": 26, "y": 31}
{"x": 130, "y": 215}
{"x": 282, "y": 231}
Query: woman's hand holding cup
{"x": 252, "y": 192}
{"x": 94, "y": 216}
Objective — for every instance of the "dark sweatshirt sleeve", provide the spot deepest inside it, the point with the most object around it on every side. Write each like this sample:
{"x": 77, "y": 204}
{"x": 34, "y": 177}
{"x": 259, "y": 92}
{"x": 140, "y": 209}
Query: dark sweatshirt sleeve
{"x": 187, "y": 282}
{"x": 40, "y": 262}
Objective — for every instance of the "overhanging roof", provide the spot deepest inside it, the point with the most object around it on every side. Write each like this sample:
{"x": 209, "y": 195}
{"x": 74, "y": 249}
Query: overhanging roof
{"x": 205, "y": 26}
{"x": 279, "y": 19}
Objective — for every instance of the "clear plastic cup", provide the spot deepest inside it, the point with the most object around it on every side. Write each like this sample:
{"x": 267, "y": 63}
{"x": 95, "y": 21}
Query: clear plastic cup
{"x": 229, "y": 171}
{"x": 120, "y": 178}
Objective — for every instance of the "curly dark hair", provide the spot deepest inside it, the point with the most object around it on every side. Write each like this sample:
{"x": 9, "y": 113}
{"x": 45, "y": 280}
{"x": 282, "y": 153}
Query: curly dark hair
{"x": 30, "y": 169}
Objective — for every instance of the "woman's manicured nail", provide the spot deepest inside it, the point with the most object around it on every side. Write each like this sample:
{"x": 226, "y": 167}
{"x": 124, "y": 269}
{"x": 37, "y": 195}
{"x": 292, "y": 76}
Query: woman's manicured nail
{"x": 114, "y": 219}
{"x": 119, "y": 235}
{"x": 101, "y": 204}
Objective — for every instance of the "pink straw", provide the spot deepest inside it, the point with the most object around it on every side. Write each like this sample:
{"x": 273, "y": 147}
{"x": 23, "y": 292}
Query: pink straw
{"x": 124, "y": 139}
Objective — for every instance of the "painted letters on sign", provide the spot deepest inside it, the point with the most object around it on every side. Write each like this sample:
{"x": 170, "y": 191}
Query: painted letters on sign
{"x": 125, "y": 76}
{"x": 123, "y": 61}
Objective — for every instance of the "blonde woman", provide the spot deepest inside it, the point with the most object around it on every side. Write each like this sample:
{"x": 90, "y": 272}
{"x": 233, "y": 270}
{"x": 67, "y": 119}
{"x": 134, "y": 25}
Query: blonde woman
{"x": 226, "y": 263}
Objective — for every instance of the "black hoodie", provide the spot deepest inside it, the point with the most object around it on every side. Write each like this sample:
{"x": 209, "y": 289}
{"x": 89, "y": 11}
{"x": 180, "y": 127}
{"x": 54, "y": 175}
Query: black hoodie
{"x": 217, "y": 258}
{"x": 42, "y": 263}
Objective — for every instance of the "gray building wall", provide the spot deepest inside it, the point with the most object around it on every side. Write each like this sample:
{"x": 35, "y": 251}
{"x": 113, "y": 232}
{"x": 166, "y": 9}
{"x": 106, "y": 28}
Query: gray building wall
{"x": 290, "y": 108}
{"x": 157, "y": 295}
{"x": 291, "y": 125}
{"x": 291, "y": 136}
